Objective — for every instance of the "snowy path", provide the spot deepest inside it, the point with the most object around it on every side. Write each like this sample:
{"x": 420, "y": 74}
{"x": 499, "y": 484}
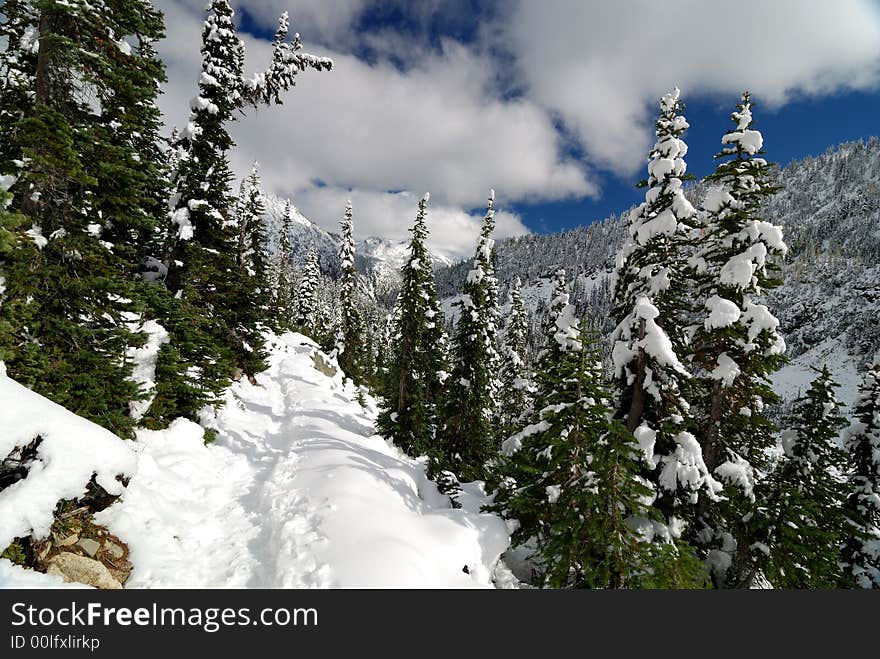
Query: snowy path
{"x": 297, "y": 491}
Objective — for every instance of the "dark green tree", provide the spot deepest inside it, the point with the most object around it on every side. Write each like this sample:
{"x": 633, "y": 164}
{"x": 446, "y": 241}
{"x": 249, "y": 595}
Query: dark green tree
{"x": 572, "y": 474}
{"x": 254, "y": 302}
{"x": 416, "y": 361}
{"x": 801, "y": 520}
{"x": 861, "y": 549}
{"x": 351, "y": 342}
{"x": 83, "y": 153}
{"x": 466, "y": 436}
{"x": 515, "y": 395}
{"x": 202, "y": 243}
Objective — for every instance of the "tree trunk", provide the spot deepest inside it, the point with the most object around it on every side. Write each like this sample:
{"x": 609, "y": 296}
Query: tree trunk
{"x": 637, "y": 405}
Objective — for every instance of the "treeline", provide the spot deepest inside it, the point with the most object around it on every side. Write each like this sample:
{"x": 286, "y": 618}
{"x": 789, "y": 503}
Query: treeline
{"x": 666, "y": 474}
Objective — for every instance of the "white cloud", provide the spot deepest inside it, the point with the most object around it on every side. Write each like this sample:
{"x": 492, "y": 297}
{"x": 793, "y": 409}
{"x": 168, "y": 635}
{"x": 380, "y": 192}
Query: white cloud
{"x": 439, "y": 126}
{"x": 443, "y": 124}
{"x": 453, "y": 231}
{"x": 601, "y": 65}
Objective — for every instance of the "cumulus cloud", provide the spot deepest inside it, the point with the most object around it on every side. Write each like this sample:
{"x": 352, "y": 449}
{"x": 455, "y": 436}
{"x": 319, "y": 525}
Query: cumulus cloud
{"x": 587, "y": 74}
{"x": 453, "y": 231}
{"x": 601, "y": 65}
{"x": 438, "y": 126}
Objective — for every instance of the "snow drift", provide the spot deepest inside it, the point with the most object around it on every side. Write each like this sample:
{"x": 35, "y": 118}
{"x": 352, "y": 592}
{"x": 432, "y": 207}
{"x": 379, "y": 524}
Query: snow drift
{"x": 72, "y": 450}
{"x": 297, "y": 491}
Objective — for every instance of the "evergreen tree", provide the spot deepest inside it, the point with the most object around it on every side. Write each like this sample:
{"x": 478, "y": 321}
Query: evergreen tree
{"x": 466, "y": 439}
{"x": 415, "y": 368}
{"x": 737, "y": 345}
{"x": 572, "y": 474}
{"x": 200, "y": 256}
{"x": 283, "y": 276}
{"x": 351, "y": 346}
{"x": 515, "y": 391}
{"x": 82, "y": 150}
{"x": 651, "y": 283}
{"x": 800, "y": 519}
{"x": 861, "y": 550}
{"x": 253, "y": 305}
{"x": 307, "y": 294}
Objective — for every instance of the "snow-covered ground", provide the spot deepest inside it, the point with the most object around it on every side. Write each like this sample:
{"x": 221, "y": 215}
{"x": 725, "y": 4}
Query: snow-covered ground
{"x": 296, "y": 491}
{"x": 794, "y": 379}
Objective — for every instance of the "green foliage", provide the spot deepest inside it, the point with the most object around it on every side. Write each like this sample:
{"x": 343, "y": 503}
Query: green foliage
{"x": 736, "y": 355}
{"x": 351, "y": 341}
{"x": 572, "y": 475}
{"x": 16, "y": 553}
{"x": 82, "y": 182}
{"x": 466, "y": 439}
{"x": 800, "y": 519}
{"x": 861, "y": 549}
{"x": 416, "y": 366}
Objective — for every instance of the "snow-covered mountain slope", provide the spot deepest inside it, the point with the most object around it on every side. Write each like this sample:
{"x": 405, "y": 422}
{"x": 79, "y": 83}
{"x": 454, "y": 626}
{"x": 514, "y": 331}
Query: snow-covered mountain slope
{"x": 378, "y": 259}
{"x": 296, "y": 491}
{"x": 304, "y": 234}
{"x": 828, "y": 305}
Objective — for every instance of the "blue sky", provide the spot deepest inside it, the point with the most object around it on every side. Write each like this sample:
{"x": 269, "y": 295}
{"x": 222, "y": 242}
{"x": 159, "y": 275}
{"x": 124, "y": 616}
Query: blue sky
{"x": 550, "y": 103}
{"x": 802, "y": 127}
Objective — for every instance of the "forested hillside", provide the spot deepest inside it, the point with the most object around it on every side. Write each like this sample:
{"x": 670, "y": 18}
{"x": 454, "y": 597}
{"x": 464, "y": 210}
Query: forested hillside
{"x": 829, "y": 208}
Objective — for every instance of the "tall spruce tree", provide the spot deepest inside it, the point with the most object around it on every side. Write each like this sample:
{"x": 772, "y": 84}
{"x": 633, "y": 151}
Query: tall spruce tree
{"x": 307, "y": 312}
{"x": 416, "y": 363}
{"x": 283, "y": 302}
{"x": 200, "y": 255}
{"x": 651, "y": 283}
{"x": 351, "y": 342}
{"x": 736, "y": 346}
{"x": 466, "y": 438}
{"x": 515, "y": 394}
{"x": 254, "y": 300}
{"x": 861, "y": 549}
{"x": 801, "y": 521}
{"x": 82, "y": 150}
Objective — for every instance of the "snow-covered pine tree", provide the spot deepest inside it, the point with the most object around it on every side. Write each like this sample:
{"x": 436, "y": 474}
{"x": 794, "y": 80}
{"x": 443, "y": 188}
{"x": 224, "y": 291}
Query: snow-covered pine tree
{"x": 416, "y": 359}
{"x": 571, "y": 476}
{"x": 652, "y": 280}
{"x": 351, "y": 342}
{"x": 736, "y": 344}
{"x": 307, "y": 293}
{"x": 326, "y": 318}
{"x": 200, "y": 255}
{"x": 800, "y": 520}
{"x": 466, "y": 436}
{"x": 253, "y": 305}
{"x": 82, "y": 150}
{"x": 282, "y": 275}
{"x": 861, "y": 549}
{"x": 515, "y": 392}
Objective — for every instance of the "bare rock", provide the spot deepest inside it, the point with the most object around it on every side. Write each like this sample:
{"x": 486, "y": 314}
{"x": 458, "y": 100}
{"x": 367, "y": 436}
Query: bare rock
{"x": 323, "y": 365}
{"x": 66, "y": 542}
{"x": 89, "y": 546}
{"x": 82, "y": 569}
{"x": 113, "y": 549}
